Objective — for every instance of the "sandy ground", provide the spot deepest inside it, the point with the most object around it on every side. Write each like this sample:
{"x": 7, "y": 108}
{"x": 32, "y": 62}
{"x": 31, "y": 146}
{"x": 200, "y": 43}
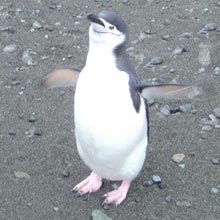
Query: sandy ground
{"x": 32, "y": 185}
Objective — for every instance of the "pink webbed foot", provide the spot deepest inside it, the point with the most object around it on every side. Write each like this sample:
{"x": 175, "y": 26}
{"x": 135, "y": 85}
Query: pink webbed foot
{"x": 89, "y": 185}
{"x": 117, "y": 196}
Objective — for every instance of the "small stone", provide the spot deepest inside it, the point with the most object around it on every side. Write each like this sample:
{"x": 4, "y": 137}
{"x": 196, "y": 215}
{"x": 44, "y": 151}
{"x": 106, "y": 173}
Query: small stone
{"x": 35, "y": 131}
{"x": 185, "y": 108}
{"x": 172, "y": 70}
{"x": 9, "y": 29}
{"x": 168, "y": 198}
{"x": 215, "y": 161}
{"x": 186, "y": 35}
{"x": 156, "y": 179}
{"x": 148, "y": 183}
{"x": 36, "y": 25}
{"x": 99, "y": 215}
{"x": 183, "y": 204}
{"x": 214, "y": 190}
{"x": 56, "y": 209}
{"x": 213, "y": 118}
{"x": 179, "y": 50}
{"x": 162, "y": 185}
{"x": 125, "y": 1}
{"x": 177, "y": 158}
{"x": 32, "y": 118}
{"x": 22, "y": 175}
{"x": 10, "y": 48}
{"x": 206, "y": 128}
{"x": 166, "y": 37}
{"x": 62, "y": 93}
{"x": 27, "y": 57}
{"x": 165, "y": 110}
{"x": 15, "y": 83}
{"x": 156, "y": 61}
{"x": 12, "y": 133}
{"x": 210, "y": 27}
{"x": 66, "y": 173}
{"x": 216, "y": 112}
{"x": 182, "y": 166}
{"x": 217, "y": 70}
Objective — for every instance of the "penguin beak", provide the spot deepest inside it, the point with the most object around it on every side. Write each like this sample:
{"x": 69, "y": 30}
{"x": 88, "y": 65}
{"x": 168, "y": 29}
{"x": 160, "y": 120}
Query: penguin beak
{"x": 95, "y": 19}
{"x": 97, "y": 23}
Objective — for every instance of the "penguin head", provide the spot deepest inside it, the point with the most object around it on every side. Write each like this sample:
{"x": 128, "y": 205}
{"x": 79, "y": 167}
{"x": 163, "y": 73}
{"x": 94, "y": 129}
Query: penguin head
{"x": 107, "y": 29}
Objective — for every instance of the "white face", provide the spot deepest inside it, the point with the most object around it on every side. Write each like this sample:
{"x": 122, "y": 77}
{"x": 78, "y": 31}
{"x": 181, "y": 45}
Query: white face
{"x": 108, "y": 35}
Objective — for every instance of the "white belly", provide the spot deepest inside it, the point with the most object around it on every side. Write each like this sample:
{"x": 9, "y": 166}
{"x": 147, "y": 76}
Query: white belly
{"x": 111, "y": 136}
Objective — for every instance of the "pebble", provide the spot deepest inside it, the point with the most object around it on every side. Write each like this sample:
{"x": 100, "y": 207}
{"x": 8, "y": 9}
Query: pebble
{"x": 206, "y": 128}
{"x": 162, "y": 185}
{"x": 32, "y": 118}
{"x": 216, "y": 112}
{"x": 156, "y": 61}
{"x": 99, "y": 215}
{"x": 56, "y": 209}
{"x": 186, "y": 35}
{"x": 156, "y": 179}
{"x": 12, "y": 133}
{"x": 217, "y": 70}
{"x": 185, "y": 108}
{"x": 35, "y": 131}
{"x": 179, "y": 50}
{"x": 165, "y": 110}
{"x": 183, "y": 204}
{"x": 10, "y": 48}
{"x": 22, "y": 175}
{"x": 168, "y": 198}
{"x": 66, "y": 173}
{"x": 166, "y": 37}
{"x": 213, "y": 119}
{"x": 178, "y": 157}
{"x": 148, "y": 183}
{"x": 36, "y": 25}
{"x": 182, "y": 165}
{"x": 27, "y": 58}
{"x": 214, "y": 190}
{"x": 215, "y": 161}
{"x": 9, "y": 29}
{"x": 125, "y": 1}
{"x": 210, "y": 27}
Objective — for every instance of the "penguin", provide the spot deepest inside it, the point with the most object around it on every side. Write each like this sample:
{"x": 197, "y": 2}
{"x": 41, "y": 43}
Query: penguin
{"x": 110, "y": 108}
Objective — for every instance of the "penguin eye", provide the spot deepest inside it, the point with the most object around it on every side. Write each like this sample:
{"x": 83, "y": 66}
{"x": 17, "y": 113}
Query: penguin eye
{"x": 111, "y": 27}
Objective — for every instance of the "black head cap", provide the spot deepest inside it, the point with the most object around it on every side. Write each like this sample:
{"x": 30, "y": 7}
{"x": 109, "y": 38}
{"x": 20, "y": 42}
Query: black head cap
{"x": 115, "y": 20}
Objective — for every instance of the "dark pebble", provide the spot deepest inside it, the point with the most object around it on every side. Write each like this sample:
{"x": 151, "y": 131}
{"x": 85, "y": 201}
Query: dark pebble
{"x": 35, "y": 131}
{"x": 8, "y": 29}
{"x": 66, "y": 173}
{"x": 32, "y": 119}
{"x": 156, "y": 61}
{"x": 215, "y": 161}
{"x": 12, "y": 133}
{"x": 162, "y": 185}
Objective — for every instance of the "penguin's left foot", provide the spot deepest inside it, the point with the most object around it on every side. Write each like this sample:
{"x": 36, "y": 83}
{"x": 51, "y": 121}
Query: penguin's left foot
{"x": 117, "y": 196}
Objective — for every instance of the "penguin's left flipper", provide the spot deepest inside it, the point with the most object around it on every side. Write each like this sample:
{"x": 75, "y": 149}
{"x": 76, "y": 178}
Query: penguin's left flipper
{"x": 168, "y": 91}
{"x": 65, "y": 77}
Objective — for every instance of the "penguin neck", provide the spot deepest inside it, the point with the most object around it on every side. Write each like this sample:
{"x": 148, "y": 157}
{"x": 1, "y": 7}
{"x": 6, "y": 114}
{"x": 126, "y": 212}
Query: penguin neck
{"x": 103, "y": 56}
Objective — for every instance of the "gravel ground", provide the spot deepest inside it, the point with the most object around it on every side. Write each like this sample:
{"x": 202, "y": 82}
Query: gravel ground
{"x": 38, "y": 156}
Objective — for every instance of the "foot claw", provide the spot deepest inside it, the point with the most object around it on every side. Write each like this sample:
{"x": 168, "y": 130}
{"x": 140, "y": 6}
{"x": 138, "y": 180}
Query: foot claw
{"x": 90, "y": 185}
{"x": 117, "y": 196}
